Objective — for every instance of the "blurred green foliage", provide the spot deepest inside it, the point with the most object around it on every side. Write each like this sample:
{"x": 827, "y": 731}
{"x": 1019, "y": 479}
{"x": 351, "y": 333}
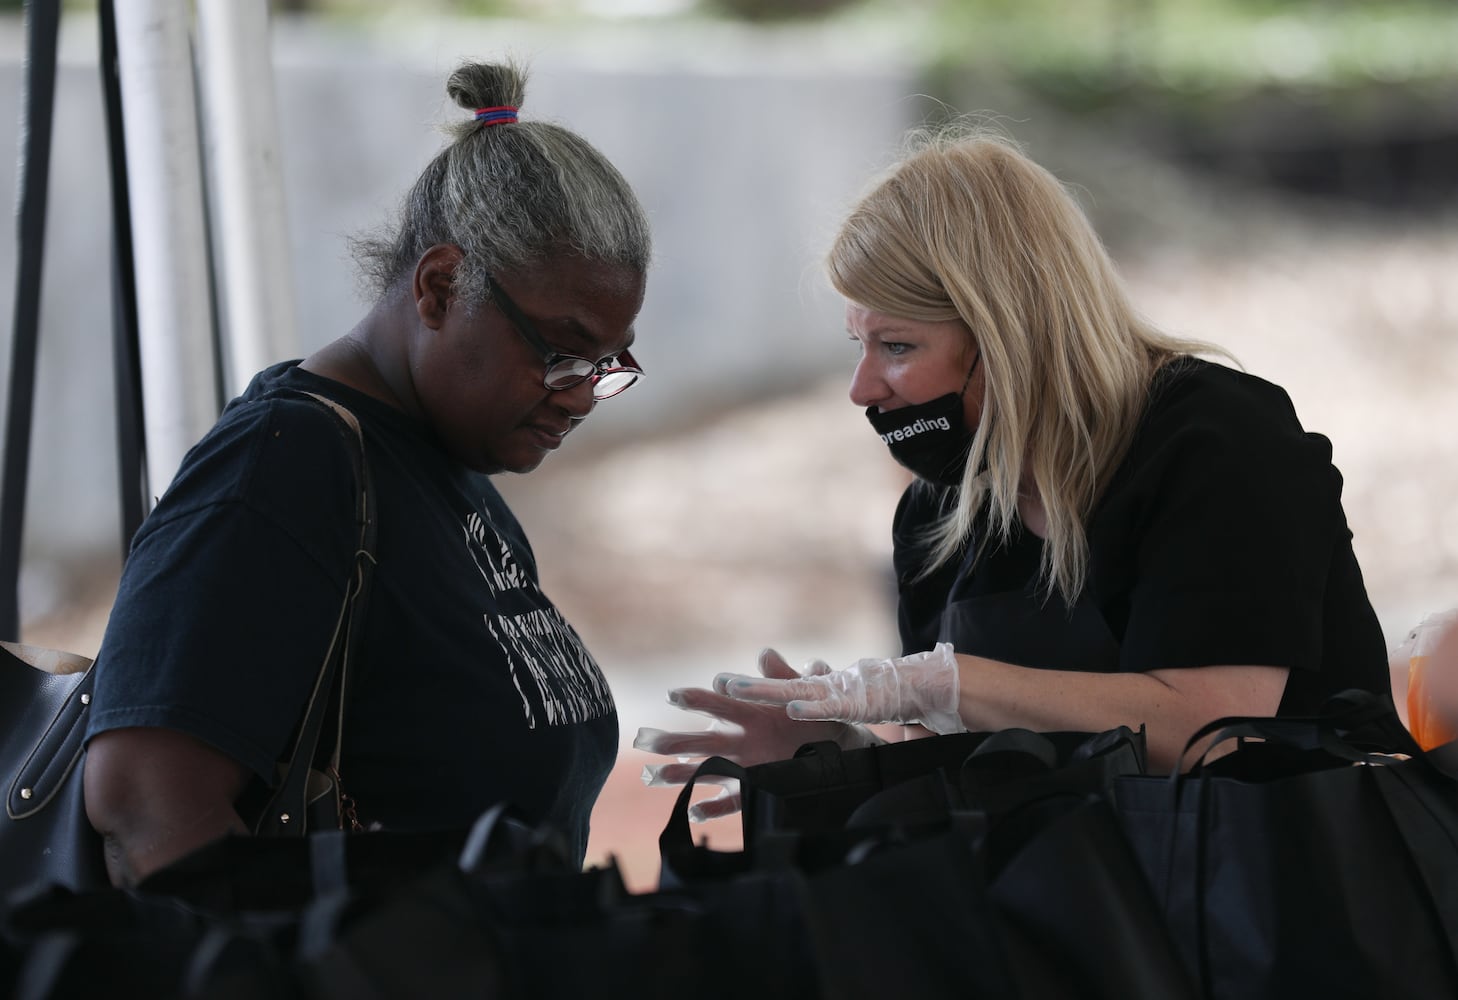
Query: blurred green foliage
{"x": 1086, "y": 53}
{"x": 775, "y": 10}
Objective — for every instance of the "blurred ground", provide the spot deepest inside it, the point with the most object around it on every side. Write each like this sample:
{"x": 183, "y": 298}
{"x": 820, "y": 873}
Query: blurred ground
{"x": 681, "y": 555}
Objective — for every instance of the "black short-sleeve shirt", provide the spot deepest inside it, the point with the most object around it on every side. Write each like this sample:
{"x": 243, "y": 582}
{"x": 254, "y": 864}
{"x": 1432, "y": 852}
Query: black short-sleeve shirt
{"x": 1220, "y": 539}
{"x": 470, "y": 689}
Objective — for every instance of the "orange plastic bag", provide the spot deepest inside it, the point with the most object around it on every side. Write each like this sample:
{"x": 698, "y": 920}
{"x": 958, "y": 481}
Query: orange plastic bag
{"x": 1430, "y": 701}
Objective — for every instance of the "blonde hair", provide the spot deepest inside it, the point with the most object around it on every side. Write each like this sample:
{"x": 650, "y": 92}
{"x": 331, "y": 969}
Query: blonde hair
{"x": 967, "y": 228}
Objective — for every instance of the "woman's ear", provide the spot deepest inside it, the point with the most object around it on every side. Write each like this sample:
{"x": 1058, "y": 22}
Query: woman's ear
{"x": 434, "y": 283}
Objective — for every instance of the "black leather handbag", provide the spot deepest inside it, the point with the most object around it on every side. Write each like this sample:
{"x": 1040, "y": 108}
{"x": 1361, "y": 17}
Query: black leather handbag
{"x": 45, "y": 836}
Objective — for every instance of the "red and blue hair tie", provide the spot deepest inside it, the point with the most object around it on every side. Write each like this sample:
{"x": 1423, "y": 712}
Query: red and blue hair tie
{"x": 500, "y": 115}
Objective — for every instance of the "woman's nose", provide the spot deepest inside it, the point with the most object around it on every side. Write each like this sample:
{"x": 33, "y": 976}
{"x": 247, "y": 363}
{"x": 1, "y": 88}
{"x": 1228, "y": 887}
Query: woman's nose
{"x": 577, "y": 402}
{"x": 867, "y": 387}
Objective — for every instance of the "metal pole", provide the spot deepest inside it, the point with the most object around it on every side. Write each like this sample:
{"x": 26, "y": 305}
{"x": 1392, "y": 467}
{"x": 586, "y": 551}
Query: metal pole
{"x": 241, "y": 139}
{"x": 126, "y": 363}
{"x": 43, "y": 18}
{"x": 170, "y": 247}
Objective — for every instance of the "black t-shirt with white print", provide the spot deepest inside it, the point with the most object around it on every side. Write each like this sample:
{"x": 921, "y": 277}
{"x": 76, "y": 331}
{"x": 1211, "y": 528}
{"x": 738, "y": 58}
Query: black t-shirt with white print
{"x": 1220, "y": 539}
{"x": 470, "y": 689}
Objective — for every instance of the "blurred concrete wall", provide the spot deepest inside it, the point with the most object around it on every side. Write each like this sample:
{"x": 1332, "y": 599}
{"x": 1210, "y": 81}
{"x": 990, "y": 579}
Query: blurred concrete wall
{"x": 744, "y": 146}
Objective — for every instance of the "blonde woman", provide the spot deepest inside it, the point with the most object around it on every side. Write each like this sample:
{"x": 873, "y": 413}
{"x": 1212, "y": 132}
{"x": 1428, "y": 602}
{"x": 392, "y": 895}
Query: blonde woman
{"x": 1104, "y": 529}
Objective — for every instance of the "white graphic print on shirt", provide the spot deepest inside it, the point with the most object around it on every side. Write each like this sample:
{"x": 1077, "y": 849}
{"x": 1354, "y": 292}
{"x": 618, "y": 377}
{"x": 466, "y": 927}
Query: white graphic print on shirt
{"x": 549, "y": 665}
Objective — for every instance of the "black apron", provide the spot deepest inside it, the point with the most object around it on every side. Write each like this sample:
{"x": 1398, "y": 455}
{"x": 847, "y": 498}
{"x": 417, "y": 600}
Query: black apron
{"x": 1002, "y": 613}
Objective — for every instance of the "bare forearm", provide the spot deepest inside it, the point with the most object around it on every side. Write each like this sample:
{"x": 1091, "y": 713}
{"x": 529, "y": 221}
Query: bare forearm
{"x": 1171, "y": 704}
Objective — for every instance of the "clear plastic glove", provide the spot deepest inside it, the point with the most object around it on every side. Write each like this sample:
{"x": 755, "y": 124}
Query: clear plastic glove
{"x": 745, "y": 733}
{"x": 922, "y": 687}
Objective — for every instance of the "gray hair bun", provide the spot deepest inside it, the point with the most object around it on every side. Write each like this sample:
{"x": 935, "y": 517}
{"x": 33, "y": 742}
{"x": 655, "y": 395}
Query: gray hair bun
{"x": 486, "y": 85}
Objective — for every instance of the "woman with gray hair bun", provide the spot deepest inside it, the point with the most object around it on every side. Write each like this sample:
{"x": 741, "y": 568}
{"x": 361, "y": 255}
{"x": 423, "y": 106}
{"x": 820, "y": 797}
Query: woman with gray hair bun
{"x": 504, "y": 301}
{"x": 1104, "y": 528}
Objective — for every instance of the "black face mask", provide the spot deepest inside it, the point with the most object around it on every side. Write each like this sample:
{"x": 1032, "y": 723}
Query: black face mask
{"x": 931, "y": 439}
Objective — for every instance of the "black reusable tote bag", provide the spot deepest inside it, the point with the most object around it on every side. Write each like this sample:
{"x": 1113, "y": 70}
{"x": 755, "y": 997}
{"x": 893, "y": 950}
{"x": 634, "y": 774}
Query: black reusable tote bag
{"x": 824, "y": 787}
{"x": 1318, "y": 858}
{"x": 1074, "y": 907}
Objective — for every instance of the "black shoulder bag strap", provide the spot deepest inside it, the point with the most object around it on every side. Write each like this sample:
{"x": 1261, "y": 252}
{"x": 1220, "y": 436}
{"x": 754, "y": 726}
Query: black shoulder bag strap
{"x": 300, "y": 783}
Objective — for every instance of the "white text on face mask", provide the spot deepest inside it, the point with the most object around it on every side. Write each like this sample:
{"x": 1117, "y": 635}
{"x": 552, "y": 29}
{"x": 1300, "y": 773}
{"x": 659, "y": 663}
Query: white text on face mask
{"x": 920, "y": 427}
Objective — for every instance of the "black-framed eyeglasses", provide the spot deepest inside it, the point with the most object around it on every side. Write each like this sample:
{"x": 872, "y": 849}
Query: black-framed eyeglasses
{"x": 609, "y": 376}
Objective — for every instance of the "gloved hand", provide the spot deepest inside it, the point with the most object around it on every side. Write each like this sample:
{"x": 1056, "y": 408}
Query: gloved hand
{"x": 745, "y": 733}
{"x": 922, "y": 687}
